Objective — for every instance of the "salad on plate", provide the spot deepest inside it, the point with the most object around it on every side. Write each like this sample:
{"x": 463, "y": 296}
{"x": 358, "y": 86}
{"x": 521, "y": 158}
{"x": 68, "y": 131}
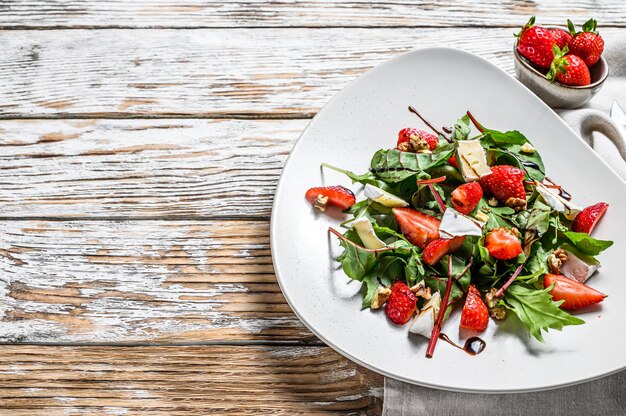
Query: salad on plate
{"x": 455, "y": 218}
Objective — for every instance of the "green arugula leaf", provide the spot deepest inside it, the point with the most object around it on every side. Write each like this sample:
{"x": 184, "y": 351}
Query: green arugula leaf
{"x": 414, "y": 270}
{"x": 461, "y": 129}
{"x": 367, "y": 177}
{"x": 588, "y": 245}
{"x": 387, "y": 270}
{"x": 355, "y": 261}
{"x": 536, "y": 265}
{"x": 536, "y": 309}
{"x": 391, "y": 165}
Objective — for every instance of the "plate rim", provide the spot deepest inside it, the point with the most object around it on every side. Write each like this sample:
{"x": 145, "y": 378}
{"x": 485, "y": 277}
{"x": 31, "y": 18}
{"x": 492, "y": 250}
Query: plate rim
{"x": 376, "y": 369}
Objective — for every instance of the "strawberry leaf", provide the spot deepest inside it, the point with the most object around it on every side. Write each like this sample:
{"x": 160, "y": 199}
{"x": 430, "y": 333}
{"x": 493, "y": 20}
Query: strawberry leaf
{"x": 588, "y": 245}
{"x": 536, "y": 309}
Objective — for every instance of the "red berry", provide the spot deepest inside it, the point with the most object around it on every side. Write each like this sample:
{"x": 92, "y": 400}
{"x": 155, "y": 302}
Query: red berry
{"x": 561, "y": 37}
{"x": 574, "y": 294}
{"x": 569, "y": 70}
{"x": 401, "y": 304}
{"x": 337, "y": 195}
{"x": 417, "y": 227}
{"x": 404, "y": 136}
{"x": 502, "y": 244}
{"x": 587, "y": 219}
{"x": 466, "y": 197}
{"x": 453, "y": 161}
{"x": 436, "y": 249}
{"x": 535, "y": 44}
{"x": 504, "y": 182}
{"x": 588, "y": 44}
{"x": 475, "y": 315}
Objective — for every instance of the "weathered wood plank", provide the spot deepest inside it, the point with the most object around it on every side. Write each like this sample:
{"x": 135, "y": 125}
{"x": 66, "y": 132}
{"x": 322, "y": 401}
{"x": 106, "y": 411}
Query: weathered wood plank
{"x": 204, "y": 13}
{"x": 142, "y": 168}
{"x": 185, "y": 381}
{"x": 207, "y": 72}
{"x": 138, "y": 281}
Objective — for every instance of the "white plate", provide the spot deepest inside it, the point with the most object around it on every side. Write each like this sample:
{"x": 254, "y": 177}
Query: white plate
{"x": 366, "y": 116}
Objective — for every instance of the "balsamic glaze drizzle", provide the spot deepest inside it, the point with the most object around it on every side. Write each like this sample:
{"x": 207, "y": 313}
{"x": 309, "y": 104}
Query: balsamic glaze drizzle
{"x": 473, "y": 345}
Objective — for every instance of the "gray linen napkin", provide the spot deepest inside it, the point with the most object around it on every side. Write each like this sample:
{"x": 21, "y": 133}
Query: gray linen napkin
{"x": 606, "y": 396}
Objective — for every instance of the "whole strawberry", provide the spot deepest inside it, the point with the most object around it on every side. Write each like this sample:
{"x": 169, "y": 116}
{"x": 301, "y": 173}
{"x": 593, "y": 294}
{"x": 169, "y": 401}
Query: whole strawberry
{"x": 401, "y": 304}
{"x": 505, "y": 182}
{"x": 561, "y": 37}
{"x": 466, "y": 197}
{"x": 568, "y": 69}
{"x": 535, "y": 44}
{"x": 411, "y": 140}
{"x": 588, "y": 44}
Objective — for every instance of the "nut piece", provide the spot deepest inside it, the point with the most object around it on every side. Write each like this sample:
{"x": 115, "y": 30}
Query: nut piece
{"x": 415, "y": 145}
{"x": 515, "y": 232}
{"x": 517, "y": 204}
{"x": 320, "y": 202}
{"x": 491, "y": 300}
{"x": 481, "y": 216}
{"x": 556, "y": 260}
{"x": 527, "y": 148}
{"x": 421, "y": 290}
{"x": 381, "y": 296}
{"x": 493, "y": 202}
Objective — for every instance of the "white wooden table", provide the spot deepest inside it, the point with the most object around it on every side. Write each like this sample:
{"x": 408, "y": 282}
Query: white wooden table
{"x": 140, "y": 145}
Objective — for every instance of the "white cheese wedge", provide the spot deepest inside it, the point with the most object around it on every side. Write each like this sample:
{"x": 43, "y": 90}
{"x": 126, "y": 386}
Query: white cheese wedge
{"x": 455, "y": 224}
{"x": 577, "y": 269}
{"x": 558, "y": 203}
{"x": 383, "y": 197}
{"x": 366, "y": 233}
{"x": 424, "y": 322}
{"x": 472, "y": 160}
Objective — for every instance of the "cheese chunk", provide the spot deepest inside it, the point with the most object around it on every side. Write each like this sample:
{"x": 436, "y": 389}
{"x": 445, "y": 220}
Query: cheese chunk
{"x": 383, "y": 197}
{"x": 472, "y": 160}
{"x": 558, "y": 203}
{"x": 455, "y": 224}
{"x": 366, "y": 233}
{"x": 577, "y": 269}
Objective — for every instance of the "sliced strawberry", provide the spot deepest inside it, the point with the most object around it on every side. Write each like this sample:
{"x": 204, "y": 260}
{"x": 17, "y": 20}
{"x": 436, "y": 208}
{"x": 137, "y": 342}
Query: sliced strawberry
{"x": 404, "y": 136}
{"x": 576, "y": 295}
{"x": 417, "y": 227}
{"x": 466, "y": 197}
{"x": 475, "y": 315}
{"x": 504, "y": 182}
{"x": 436, "y": 249}
{"x": 503, "y": 244}
{"x": 337, "y": 195}
{"x": 400, "y": 306}
{"x": 453, "y": 161}
{"x": 587, "y": 219}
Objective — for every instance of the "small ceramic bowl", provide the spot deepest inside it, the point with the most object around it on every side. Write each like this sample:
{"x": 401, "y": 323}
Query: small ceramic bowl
{"x": 557, "y": 95}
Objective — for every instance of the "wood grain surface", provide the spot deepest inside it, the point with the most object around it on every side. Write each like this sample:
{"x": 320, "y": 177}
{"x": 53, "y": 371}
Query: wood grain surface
{"x": 184, "y": 380}
{"x": 178, "y": 168}
{"x": 207, "y": 72}
{"x": 350, "y": 13}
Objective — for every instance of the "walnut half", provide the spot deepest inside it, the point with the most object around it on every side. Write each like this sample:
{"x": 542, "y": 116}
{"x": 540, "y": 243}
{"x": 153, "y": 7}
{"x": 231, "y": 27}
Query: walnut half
{"x": 556, "y": 260}
{"x": 380, "y": 297}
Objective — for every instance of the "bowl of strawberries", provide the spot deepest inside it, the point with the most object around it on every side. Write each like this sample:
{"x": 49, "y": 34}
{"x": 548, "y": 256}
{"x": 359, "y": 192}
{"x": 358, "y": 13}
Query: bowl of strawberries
{"x": 563, "y": 66}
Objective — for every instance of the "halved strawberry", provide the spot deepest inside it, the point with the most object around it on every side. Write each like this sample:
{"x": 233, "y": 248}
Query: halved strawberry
{"x": 466, "y": 197}
{"x": 587, "y": 219}
{"x": 503, "y": 244}
{"x": 436, "y": 249}
{"x": 475, "y": 315}
{"x": 404, "y": 136}
{"x": 505, "y": 182}
{"x": 337, "y": 195}
{"x": 576, "y": 295}
{"x": 417, "y": 227}
{"x": 400, "y": 306}
{"x": 453, "y": 161}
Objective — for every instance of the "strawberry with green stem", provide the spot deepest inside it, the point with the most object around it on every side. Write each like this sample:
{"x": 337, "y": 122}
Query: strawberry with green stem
{"x": 535, "y": 44}
{"x": 568, "y": 69}
{"x": 588, "y": 44}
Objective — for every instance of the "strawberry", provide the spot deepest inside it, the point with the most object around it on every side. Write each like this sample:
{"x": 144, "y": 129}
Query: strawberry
{"x": 453, "y": 161}
{"x": 587, "y": 219}
{"x": 535, "y": 44}
{"x": 588, "y": 44}
{"x": 417, "y": 227}
{"x": 475, "y": 315}
{"x": 336, "y": 195}
{"x": 561, "y": 37}
{"x": 568, "y": 69}
{"x": 404, "y": 136}
{"x": 504, "y": 182}
{"x": 466, "y": 197}
{"x": 503, "y": 244}
{"x": 436, "y": 249}
{"x": 575, "y": 294}
{"x": 401, "y": 303}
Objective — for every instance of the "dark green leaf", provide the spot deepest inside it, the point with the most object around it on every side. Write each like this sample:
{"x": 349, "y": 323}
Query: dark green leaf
{"x": 536, "y": 309}
{"x": 414, "y": 270}
{"x": 355, "y": 261}
{"x": 387, "y": 270}
{"x": 461, "y": 129}
{"x": 391, "y": 165}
